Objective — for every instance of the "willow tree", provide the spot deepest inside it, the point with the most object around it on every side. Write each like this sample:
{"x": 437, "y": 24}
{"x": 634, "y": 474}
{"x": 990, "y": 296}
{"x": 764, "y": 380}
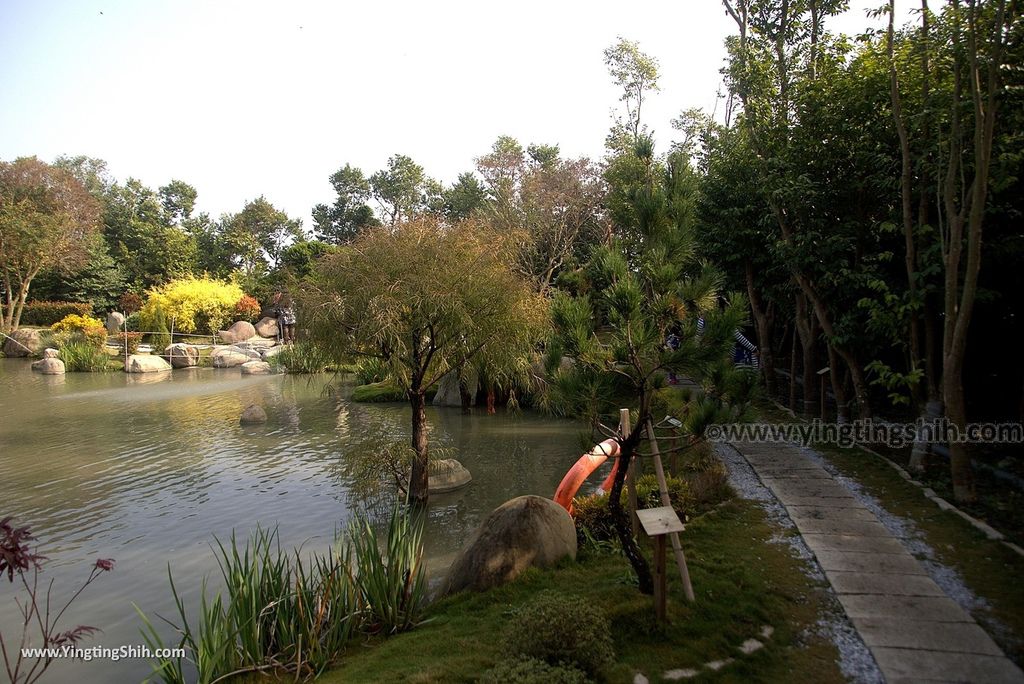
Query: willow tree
{"x": 425, "y": 298}
{"x": 47, "y": 222}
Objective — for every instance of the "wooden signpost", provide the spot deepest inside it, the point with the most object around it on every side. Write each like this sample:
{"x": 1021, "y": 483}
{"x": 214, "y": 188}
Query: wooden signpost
{"x": 659, "y": 523}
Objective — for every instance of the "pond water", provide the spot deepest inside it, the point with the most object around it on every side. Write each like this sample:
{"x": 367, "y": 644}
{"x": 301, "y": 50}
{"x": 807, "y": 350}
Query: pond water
{"x": 146, "y": 469}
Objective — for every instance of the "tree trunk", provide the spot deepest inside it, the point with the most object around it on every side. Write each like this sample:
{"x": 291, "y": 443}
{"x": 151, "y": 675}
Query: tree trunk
{"x": 763, "y": 323}
{"x": 491, "y": 410}
{"x": 807, "y": 331}
{"x": 959, "y": 457}
{"x": 623, "y": 528}
{"x": 838, "y": 390}
{"x": 792, "y": 371}
{"x": 419, "y": 480}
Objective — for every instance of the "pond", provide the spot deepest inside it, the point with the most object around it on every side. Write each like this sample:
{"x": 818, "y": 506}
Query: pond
{"x": 146, "y": 469}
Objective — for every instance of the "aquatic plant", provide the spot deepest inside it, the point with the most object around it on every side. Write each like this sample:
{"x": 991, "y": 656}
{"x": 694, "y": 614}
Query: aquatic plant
{"x": 21, "y": 562}
{"x": 302, "y": 357}
{"x": 282, "y": 613}
{"x": 81, "y": 357}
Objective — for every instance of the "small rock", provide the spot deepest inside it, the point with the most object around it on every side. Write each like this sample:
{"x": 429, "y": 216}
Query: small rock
{"x": 145, "y": 363}
{"x": 447, "y": 474}
{"x": 239, "y": 331}
{"x": 253, "y": 415}
{"x": 229, "y": 357}
{"x": 640, "y": 679}
{"x": 51, "y": 353}
{"x": 266, "y": 327}
{"x": 750, "y": 645}
{"x": 114, "y": 322}
{"x": 22, "y": 342}
{"x": 182, "y": 355}
{"x": 683, "y": 673}
{"x": 767, "y": 631}
{"x": 718, "y": 664}
{"x": 256, "y": 368}
{"x": 49, "y": 366}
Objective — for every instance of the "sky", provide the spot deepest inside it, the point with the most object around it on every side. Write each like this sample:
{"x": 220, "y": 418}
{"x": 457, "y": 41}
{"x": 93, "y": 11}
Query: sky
{"x": 248, "y": 98}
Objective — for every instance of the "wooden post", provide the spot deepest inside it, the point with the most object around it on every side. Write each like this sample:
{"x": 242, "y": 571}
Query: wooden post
{"x": 657, "y": 523}
{"x": 677, "y": 547}
{"x": 624, "y": 430}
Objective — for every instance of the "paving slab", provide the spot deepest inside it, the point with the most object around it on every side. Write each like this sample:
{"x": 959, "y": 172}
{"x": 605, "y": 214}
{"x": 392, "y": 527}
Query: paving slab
{"x": 953, "y": 637}
{"x": 914, "y": 630}
{"x": 881, "y": 563}
{"x": 852, "y": 542}
{"x": 904, "y": 663}
{"x": 933, "y": 608}
{"x": 820, "y": 512}
{"x": 891, "y": 585}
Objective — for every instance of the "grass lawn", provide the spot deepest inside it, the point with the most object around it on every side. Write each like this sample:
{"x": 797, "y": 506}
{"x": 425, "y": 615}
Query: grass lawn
{"x": 742, "y": 579}
{"x": 988, "y": 567}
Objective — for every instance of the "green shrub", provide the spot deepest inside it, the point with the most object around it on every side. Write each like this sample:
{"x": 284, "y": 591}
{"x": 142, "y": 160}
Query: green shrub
{"x": 375, "y": 392}
{"x": 82, "y": 357}
{"x": 159, "y": 335}
{"x": 129, "y": 339}
{"x": 76, "y": 328}
{"x": 561, "y": 630}
{"x": 48, "y": 313}
{"x": 129, "y": 303}
{"x": 593, "y": 515}
{"x": 371, "y": 370}
{"x": 532, "y": 671}
{"x": 301, "y": 357}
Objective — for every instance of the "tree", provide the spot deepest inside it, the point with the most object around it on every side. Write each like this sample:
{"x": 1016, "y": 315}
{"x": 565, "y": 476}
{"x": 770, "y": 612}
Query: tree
{"x": 344, "y": 220}
{"x": 257, "y": 234}
{"x": 552, "y": 207}
{"x": 100, "y": 281}
{"x": 402, "y": 189}
{"x": 426, "y": 299}
{"x": 47, "y": 218}
{"x": 179, "y": 200}
{"x": 637, "y": 75}
{"x": 464, "y": 198}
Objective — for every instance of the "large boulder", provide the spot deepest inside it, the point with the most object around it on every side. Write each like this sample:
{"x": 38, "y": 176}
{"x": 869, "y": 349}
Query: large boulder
{"x": 229, "y": 357}
{"x": 144, "y": 363}
{"x": 266, "y": 327}
{"x": 526, "y": 531}
{"x": 114, "y": 322}
{"x": 253, "y": 415}
{"x": 256, "y": 368}
{"x": 49, "y": 366}
{"x": 448, "y": 392}
{"x": 51, "y": 353}
{"x": 239, "y": 331}
{"x": 447, "y": 474}
{"x": 182, "y": 355}
{"x": 23, "y": 342}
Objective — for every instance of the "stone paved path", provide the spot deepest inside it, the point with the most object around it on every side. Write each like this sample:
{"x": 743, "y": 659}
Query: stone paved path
{"x": 914, "y": 630}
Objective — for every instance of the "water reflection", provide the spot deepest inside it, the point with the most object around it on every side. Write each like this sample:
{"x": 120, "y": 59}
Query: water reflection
{"x": 147, "y": 470}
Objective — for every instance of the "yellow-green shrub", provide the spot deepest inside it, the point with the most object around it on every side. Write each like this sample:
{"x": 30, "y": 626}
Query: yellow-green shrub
{"x": 202, "y": 305}
{"x": 82, "y": 328}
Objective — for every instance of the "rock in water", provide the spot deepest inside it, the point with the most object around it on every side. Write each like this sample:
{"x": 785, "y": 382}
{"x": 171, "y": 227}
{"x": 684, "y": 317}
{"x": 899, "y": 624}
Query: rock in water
{"x": 49, "y": 366}
{"x": 229, "y": 357}
{"x": 239, "y": 331}
{"x": 22, "y": 342}
{"x": 266, "y": 327}
{"x": 526, "y": 531}
{"x": 182, "y": 355}
{"x": 51, "y": 353}
{"x": 447, "y": 474}
{"x": 253, "y": 415}
{"x": 114, "y": 322}
{"x": 256, "y": 368}
{"x": 144, "y": 363}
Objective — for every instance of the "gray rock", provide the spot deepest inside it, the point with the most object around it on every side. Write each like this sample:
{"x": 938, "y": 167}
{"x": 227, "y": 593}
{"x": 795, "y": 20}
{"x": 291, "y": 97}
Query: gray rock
{"x": 229, "y": 357}
{"x": 253, "y": 415}
{"x": 23, "y": 342}
{"x": 271, "y": 352}
{"x": 447, "y": 474}
{"x": 51, "y": 353}
{"x": 114, "y": 322}
{"x": 526, "y": 531}
{"x": 182, "y": 355}
{"x": 266, "y": 327}
{"x": 145, "y": 363}
{"x": 49, "y": 366}
{"x": 239, "y": 331}
{"x": 448, "y": 387}
{"x": 256, "y": 368}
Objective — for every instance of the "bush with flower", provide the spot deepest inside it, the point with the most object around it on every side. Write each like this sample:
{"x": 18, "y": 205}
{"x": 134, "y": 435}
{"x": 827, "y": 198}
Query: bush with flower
{"x": 193, "y": 304}
{"x": 78, "y": 328}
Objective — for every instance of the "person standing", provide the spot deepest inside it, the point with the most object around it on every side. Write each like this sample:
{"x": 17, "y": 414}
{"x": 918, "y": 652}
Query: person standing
{"x": 285, "y": 312}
